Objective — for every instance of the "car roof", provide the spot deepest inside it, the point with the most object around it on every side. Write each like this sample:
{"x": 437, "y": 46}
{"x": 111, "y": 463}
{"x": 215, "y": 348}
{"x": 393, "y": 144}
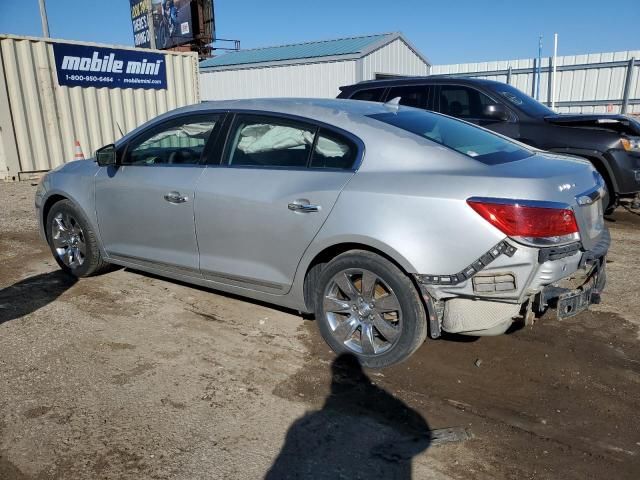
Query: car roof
{"x": 306, "y": 107}
{"x": 393, "y": 82}
{"x": 348, "y": 115}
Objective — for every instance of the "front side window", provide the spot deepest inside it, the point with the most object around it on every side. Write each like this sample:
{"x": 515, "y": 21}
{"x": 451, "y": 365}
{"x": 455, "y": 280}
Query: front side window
{"x": 270, "y": 142}
{"x": 410, "y": 95}
{"x": 522, "y": 101}
{"x": 463, "y": 102}
{"x": 472, "y": 141}
{"x": 178, "y": 142}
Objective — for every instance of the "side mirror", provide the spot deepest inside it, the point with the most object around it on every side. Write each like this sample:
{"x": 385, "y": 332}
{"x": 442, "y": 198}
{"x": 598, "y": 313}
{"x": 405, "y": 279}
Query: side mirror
{"x": 106, "y": 155}
{"x": 497, "y": 112}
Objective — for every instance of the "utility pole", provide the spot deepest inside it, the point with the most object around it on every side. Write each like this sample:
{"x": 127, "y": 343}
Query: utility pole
{"x": 152, "y": 27}
{"x": 555, "y": 61}
{"x": 43, "y": 17}
{"x": 539, "y": 67}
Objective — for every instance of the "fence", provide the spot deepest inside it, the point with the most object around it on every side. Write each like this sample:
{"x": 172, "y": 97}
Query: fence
{"x": 593, "y": 83}
{"x": 40, "y": 119}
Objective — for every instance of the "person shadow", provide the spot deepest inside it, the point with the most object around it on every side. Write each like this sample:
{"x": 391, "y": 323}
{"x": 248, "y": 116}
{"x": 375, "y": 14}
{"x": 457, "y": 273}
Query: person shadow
{"x": 361, "y": 432}
{"x": 33, "y": 293}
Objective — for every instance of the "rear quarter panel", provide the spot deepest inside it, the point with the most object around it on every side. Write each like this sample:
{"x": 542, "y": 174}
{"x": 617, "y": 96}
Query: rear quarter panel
{"x": 415, "y": 218}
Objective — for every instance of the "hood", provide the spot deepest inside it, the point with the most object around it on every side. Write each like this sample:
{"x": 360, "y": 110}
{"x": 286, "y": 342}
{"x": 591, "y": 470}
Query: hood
{"x": 614, "y": 123}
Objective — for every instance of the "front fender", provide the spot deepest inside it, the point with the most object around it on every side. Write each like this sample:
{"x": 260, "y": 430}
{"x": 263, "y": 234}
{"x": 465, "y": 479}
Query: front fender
{"x": 75, "y": 182}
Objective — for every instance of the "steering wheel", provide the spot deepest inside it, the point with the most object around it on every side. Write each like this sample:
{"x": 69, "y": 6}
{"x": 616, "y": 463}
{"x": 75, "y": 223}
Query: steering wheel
{"x": 183, "y": 155}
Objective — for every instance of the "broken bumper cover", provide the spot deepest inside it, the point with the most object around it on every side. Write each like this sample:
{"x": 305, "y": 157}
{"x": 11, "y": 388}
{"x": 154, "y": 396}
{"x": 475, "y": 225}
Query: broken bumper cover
{"x": 570, "y": 302}
{"x": 567, "y": 278}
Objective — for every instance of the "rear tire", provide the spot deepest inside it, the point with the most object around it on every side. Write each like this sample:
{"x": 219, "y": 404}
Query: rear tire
{"x": 73, "y": 242}
{"x": 366, "y": 306}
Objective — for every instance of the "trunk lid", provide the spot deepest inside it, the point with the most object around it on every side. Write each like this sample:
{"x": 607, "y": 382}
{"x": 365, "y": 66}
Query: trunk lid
{"x": 556, "y": 179}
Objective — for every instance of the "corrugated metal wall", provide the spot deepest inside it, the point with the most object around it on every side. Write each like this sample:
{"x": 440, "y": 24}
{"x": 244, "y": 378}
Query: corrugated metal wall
{"x": 314, "y": 79}
{"x": 396, "y": 58}
{"x": 320, "y": 79}
{"x": 598, "y": 88}
{"x": 40, "y": 120}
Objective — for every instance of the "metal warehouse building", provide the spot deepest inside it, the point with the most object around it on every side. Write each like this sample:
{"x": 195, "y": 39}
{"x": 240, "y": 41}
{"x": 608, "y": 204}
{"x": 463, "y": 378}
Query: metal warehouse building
{"x": 313, "y": 69}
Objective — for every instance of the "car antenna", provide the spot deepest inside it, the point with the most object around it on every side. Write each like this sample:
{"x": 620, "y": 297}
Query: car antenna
{"x": 119, "y": 128}
{"x": 393, "y": 103}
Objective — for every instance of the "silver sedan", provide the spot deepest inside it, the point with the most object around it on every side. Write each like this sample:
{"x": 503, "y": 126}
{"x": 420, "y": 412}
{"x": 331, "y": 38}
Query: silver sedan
{"x": 387, "y": 222}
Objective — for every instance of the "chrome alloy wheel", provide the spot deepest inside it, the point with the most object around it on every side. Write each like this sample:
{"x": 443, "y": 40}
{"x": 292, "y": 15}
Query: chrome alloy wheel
{"x": 362, "y": 311}
{"x": 68, "y": 240}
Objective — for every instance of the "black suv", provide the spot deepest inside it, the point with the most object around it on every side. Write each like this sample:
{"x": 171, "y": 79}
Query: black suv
{"x": 610, "y": 142}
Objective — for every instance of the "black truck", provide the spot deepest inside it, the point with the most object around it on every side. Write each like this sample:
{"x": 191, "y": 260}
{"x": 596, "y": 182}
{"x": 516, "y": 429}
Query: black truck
{"x": 610, "y": 142}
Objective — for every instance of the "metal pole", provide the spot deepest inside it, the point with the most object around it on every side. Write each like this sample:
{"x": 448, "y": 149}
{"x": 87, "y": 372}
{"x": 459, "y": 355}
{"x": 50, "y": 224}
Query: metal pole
{"x": 555, "y": 61}
{"x": 535, "y": 75}
{"x": 152, "y": 28}
{"x": 45, "y": 21}
{"x": 549, "y": 80}
{"x": 627, "y": 85}
{"x": 509, "y": 75}
{"x": 539, "y": 67}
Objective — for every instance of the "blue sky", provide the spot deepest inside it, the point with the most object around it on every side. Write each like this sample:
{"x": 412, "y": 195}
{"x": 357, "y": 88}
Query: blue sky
{"x": 451, "y": 31}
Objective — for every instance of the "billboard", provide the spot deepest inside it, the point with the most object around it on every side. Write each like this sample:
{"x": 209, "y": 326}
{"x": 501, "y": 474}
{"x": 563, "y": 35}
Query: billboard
{"x": 140, "y": 23}
{"x": 87, "y": 66}
{"x": 174, "y": 23}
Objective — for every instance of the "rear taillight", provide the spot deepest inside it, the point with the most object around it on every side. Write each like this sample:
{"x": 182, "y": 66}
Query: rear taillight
{"x": 533, "y": 224}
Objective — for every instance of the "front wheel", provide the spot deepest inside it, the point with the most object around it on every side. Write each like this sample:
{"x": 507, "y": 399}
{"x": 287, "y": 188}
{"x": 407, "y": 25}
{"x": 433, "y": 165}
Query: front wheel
{"x": 72, "y": 240}
{"x": 609, "y": 203}
{"x": 365, "y": 305}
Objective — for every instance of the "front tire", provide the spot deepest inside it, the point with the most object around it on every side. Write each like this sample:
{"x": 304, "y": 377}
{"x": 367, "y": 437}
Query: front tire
{"x": 72, "y": 240}
{"x": 609, "y": 202}
{"x": 365, "y": 305}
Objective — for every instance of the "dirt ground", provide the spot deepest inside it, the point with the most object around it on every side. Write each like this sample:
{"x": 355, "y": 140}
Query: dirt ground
{"x": 127, "y": 375}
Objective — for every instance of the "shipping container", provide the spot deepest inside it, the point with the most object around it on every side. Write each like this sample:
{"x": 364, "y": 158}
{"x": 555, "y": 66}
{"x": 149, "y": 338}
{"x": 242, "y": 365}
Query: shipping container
{"x": 40, "y": 120}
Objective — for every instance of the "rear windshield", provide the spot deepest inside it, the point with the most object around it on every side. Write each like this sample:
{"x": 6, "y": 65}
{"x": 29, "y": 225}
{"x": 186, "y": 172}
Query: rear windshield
{"x": 467, "y": 139}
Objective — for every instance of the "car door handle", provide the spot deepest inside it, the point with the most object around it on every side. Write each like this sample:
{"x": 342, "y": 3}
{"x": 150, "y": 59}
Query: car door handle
{"x": 303, "y": 206}
{"x": 175, "y": 197}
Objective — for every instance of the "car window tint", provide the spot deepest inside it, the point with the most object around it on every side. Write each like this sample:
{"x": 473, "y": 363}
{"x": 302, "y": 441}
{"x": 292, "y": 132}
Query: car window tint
{"x": 371, "y": 95}
{"x": 266, "y": 142}
{"x": 463, "y": 102}
{"x": 180, "y": 142}
{"x": 521, "y": 100}
{"x": 333, "y": 151}
{"x": 411, "y": 95}
{"x": 472, "y": 141}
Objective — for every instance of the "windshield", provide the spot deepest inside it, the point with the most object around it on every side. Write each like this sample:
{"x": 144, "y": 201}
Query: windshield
{"x": 462, "y": 137}
{"x": 521, "y": 100}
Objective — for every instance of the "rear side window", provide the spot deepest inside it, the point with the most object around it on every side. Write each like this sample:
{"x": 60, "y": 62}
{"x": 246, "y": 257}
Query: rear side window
{"x": 371, "y": 95}
{"x": 270, "y": 142}
{"x": 462, "y": 137}
{"x": 410, "y": 95}
{"x": 333, "y": 151}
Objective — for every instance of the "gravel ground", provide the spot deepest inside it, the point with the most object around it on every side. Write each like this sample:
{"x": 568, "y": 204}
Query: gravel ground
{"x": 128, "y": 375}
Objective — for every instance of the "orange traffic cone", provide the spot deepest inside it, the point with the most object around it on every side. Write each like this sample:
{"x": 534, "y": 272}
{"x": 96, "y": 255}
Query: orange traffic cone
{"x": 77, "y": 154}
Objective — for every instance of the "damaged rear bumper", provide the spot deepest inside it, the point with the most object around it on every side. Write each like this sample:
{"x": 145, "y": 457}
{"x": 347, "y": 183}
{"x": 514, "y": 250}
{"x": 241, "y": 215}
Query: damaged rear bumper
{"x": 520, "y": 284}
